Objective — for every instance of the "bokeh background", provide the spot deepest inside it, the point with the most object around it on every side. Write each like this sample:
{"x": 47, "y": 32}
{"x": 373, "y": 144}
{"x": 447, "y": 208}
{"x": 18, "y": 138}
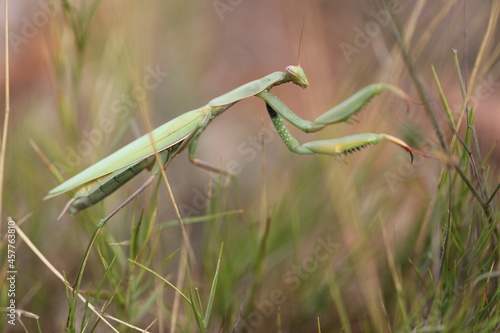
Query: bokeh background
{"x": 349, "y": 245}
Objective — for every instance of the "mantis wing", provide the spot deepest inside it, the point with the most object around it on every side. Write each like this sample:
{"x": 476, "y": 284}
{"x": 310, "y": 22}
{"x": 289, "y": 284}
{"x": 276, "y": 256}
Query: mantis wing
{"x": 165, "y": 136}
{"x": 161, "y": 138}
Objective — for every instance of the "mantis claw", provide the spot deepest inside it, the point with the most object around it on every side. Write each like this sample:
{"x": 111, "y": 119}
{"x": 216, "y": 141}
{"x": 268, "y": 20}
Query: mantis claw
{"x": 404, "y": 145}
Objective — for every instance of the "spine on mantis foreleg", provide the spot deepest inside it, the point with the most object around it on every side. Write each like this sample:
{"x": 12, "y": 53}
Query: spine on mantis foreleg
{"x": 349, "y": 144}
{"x": 344, "y": 145}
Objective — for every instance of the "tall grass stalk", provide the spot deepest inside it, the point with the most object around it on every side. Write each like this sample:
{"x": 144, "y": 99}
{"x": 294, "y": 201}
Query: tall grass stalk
{"x": 3, "y": 146}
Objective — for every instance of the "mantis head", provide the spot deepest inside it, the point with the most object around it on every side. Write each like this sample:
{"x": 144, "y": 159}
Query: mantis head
{"x": 296, "y": 75}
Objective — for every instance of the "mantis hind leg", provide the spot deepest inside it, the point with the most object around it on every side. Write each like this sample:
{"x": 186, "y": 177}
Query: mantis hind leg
{"x": 128, "y": 200}
{"x": 200, "y": 163}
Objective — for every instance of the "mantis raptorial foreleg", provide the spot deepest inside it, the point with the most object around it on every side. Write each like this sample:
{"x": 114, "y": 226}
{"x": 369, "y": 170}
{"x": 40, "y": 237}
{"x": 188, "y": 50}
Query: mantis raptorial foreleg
{"x": 278, "y": 110}
{"x": 338, "y": 114}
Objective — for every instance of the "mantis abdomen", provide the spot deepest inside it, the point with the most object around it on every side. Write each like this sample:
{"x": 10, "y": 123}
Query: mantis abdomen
{"x": 100, "y": 188}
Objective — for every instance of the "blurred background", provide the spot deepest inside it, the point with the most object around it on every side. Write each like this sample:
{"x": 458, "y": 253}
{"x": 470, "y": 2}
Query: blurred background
{"x": 311, "y": 243}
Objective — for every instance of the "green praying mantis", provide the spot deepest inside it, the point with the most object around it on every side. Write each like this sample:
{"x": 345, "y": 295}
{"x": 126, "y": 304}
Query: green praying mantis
{"x": 106, "y": 176}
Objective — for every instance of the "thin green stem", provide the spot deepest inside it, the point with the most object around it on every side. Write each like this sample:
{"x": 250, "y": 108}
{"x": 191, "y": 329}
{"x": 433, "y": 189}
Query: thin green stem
{"x": 457, "y": 68}
{"x": 493, "y": 195}
{"x": 468, "y": 110}
{"x": 423, "y": 95}
{"x": 418, "y": 82}
{"x": 163, "y": 279}
{"x": 471, "y": 187}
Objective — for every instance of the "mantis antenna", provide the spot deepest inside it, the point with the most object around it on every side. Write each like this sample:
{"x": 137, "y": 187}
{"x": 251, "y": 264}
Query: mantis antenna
{"x": 300, "y": 41}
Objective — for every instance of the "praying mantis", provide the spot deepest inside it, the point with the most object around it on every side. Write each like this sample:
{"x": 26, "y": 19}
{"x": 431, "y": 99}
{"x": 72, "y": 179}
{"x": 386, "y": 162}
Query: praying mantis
{"x": 106, "y": 176}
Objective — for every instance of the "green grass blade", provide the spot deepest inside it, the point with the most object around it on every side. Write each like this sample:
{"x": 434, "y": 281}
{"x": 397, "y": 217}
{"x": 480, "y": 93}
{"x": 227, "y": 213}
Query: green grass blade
{"x": 198, "y": 219}
{"x": 198, "y": 299}
{"x": 444, "y": 101}
{"x": 196, "y": 313}
{"x": 134, "y": 241}
{"x": 211, "y": 297}
{"x": 163, "y": 279}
